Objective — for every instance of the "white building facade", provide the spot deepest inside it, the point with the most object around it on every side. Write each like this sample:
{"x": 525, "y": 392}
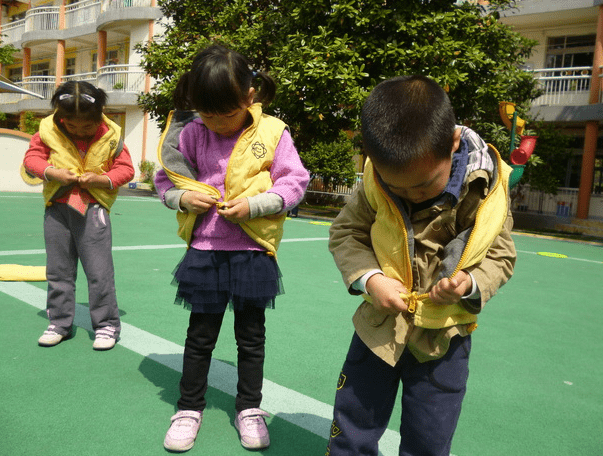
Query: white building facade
{"x": 86, "y": 40}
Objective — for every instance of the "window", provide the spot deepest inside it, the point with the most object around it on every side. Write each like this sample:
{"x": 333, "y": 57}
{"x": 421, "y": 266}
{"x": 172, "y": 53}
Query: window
{"x": 70, "y": 66}
{"x": 112, "y": 59}
{"x": 40, "y": 69}
{"x": 570, "y": 51}
{"x": 15, "y": 74}
{"x": 598, "y": 177}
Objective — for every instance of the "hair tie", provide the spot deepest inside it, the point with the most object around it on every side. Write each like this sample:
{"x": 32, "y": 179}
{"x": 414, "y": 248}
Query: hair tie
{"x": 69, "y": 96}
{"x": 254, "y": 73}
{"x": 91, "y": 99}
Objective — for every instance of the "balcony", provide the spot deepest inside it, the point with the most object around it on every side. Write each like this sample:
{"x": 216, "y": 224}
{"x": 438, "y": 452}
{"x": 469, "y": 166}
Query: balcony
{"x": 565, "y": 95}
{"x": 123, "y": 84}
{"x": 563, "y": 86}
{"x": 43, "y": 23}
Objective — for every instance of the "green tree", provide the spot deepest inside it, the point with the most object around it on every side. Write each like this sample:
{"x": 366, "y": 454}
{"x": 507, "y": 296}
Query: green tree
{"x": 7, "y": 53}
{"x": 327, "y": 55}
{"x": 332, "y": 161}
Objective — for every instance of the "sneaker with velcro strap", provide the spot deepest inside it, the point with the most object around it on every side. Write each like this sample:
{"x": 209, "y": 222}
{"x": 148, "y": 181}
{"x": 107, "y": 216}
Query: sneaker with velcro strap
{"x": 104, "y": 338}
{"x": 50, "y": 337}
{"x": 183, "y": 431}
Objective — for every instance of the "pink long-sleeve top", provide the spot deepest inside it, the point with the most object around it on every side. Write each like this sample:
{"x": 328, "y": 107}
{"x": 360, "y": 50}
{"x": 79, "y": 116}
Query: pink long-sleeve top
{"x": 209, "y": 153}
{"x": 36, "y": 161}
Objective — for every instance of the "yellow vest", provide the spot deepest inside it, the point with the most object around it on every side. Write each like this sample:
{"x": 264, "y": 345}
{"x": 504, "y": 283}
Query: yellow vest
{"x": 98, "y": 159}
{"x": 247, "y": 174}
{"x": 393, "y": 254}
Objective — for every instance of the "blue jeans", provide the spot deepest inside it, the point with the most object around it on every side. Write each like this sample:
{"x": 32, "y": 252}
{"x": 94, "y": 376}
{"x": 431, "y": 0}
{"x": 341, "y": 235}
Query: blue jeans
{"x": 431, "y": 401}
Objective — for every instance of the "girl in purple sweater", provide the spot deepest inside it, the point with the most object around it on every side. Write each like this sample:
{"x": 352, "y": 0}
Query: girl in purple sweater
{"x": 232, "y": 172}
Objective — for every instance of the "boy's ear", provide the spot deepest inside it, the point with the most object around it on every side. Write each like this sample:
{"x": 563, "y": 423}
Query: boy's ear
{"x": 456, "y": 140}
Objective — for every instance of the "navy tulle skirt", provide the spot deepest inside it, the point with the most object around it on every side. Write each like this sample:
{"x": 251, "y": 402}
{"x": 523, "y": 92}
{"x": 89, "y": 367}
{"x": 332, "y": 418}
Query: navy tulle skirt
{"x": 209, "y": 280}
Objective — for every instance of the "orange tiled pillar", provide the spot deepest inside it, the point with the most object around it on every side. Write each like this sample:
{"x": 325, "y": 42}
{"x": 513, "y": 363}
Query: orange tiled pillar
{"x": 60, "y": 65}
{"x": 101, "y": 56}
{"x": 591, "y": 132}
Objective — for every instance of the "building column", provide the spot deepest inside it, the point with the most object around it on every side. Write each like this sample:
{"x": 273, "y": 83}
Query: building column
{"x": 60, "y": 65}
{"x": 101, "y": 55}
{"x": 26, "y": 62}
{"x": 591, "y": 132}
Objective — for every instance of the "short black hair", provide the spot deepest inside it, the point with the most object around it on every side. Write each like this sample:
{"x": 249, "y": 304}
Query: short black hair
{"x": 407, "y": 118}
{"x": 78, "y": 99}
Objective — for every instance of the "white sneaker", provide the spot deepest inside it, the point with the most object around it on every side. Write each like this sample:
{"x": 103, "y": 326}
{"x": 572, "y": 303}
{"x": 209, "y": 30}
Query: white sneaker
{"x": 182, "y": 433}
{"x": 50, "y": 338}
{"x": 104, "y": 338}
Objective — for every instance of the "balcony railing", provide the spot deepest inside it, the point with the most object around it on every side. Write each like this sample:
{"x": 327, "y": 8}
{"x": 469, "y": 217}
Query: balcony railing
{"x": 13, "y": 31}
{"x": 119, "y": 4}
{"x": 110, "y": 78}
{"x": 42, "y": 18}
{"x": 121, "y": 78}
{"x": 82, "y": 13}
{"x": 42, "y": 85}
{"x": 563, "y": 86}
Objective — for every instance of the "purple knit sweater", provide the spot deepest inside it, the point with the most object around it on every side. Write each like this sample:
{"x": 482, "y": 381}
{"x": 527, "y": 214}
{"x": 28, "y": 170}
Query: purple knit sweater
{"x": 209, "y": 153}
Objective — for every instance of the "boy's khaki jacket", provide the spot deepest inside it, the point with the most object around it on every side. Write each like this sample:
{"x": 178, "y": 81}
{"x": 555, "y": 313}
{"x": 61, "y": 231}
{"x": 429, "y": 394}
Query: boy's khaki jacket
{"x": 98, "y": 159}
{"x": 418, "y": 251}
{"x": 248, "y": 174}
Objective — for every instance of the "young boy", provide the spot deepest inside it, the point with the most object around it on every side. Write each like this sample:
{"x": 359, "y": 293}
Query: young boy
{"x": 426, "y": 240}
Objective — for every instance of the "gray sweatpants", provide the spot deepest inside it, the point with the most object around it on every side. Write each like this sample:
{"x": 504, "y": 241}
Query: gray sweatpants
{"x": 70, "y": 236}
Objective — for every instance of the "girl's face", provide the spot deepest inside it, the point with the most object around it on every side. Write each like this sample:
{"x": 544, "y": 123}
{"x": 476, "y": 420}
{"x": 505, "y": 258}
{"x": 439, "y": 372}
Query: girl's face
{"x": 80, "y": 129}
{"x": 230, "y": 123}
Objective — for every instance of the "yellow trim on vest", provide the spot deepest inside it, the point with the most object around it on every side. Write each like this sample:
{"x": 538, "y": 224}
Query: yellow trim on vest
{"x": 247, "y": 174}
{"x": 64, "y": 154}
{"x": 394, "y": 257}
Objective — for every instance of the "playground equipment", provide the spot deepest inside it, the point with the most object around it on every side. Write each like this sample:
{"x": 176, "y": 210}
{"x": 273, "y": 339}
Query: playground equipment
{"x": 520, "y": 155}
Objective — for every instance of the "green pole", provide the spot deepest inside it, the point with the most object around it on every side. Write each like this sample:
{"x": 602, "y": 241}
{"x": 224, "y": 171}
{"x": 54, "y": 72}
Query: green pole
{"x": 513, "y": 127}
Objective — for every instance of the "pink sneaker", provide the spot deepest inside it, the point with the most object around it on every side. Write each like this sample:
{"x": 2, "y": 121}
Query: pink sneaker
{"x": 182, "y": 433}
{"x": 252, "y": 429}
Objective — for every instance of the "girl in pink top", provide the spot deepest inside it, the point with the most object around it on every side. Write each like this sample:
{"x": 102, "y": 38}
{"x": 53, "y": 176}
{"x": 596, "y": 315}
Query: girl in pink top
{"x": 224, "y": 265}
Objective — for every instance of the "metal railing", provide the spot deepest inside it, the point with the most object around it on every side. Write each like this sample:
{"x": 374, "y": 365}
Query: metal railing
{"x": 122, "y": 78}
{"x": 89, "y": 77}
{"x": 42, "y": 18}
{"x": 82, "y": 13}
{"x": 13, "y": 31}
{"x": 563, "y": 204}
{"x": 111, "y": 78}
{"x": 42, "y": 85}
{"x": 119, "y": 4}
{"x": 77, "y": 14}
{"x": 563, "y": 86}
{"x": 317, "y": 185}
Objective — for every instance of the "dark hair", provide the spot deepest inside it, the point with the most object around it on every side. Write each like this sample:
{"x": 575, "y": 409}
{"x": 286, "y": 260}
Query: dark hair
{"x": 78, "y": 99}
{"x": 407, "y": 118}
{"x": 219, "y": 82}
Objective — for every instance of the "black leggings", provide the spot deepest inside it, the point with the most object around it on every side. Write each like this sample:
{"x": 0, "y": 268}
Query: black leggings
{"x": 202, "y": 334}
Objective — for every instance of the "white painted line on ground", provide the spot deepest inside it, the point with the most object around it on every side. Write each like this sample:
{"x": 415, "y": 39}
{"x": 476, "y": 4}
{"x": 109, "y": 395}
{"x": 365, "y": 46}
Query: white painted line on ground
{"x": 303, "y": 411}
{"x": 142, "y": 247}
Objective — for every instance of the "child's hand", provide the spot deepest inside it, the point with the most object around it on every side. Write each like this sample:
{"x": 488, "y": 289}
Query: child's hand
{"x": 63, "y": 176}
{"x": 235, "y": 211}
{"x": 93, "y": 180}
{"x": 196, "y": 202}
{"x": 450, "y": 291}
{"x": 385, "y": 292}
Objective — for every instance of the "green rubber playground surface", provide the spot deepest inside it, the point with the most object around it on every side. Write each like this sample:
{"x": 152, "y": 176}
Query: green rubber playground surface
{"x": 536, "y": 366}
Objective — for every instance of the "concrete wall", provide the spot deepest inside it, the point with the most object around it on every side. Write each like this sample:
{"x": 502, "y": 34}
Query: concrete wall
{"x": 13, "y": 145}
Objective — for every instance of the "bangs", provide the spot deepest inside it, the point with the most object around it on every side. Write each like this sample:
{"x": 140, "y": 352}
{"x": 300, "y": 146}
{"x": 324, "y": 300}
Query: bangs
{"x": 220, "y": 92}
